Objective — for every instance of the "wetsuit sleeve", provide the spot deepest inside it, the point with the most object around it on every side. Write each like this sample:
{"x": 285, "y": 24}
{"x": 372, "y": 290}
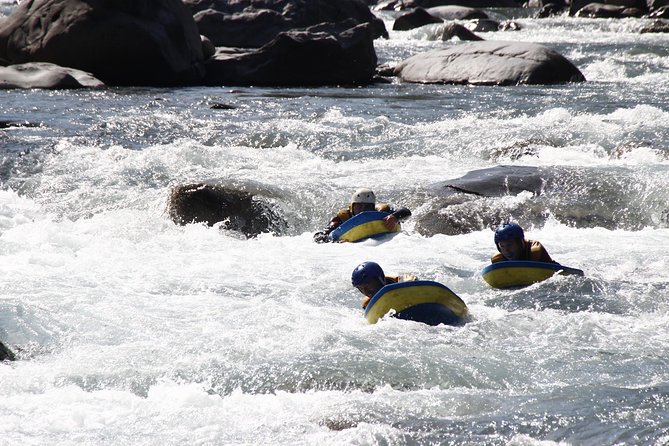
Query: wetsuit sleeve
{"x": 334, "y": 224}
{"x": 498, "y": 257}
{"x": 401, "y": 213}
{"x": 324, "y": 235}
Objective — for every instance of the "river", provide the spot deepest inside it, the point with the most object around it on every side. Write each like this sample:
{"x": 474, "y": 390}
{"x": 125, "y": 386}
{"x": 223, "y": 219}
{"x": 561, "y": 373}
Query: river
{"x": 132, "y": 330}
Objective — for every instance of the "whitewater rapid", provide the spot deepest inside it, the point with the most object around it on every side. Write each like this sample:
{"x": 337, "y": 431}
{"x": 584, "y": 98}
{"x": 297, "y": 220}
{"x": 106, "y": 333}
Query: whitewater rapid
{"x": 132, "y": 330}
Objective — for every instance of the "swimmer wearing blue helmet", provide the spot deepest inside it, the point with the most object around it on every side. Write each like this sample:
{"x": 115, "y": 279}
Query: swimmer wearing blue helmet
{"x": 369, "y": 278}
{"x": 512, "y": 245}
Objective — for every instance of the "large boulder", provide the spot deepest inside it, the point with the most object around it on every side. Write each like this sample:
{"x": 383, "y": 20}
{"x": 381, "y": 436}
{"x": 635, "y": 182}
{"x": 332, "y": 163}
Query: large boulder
{"x": 243, "y": 30}
{"x": 45, "y": 75}
{"x": 577, "y": 5}
{"x": 236, "y": 210}
{"x": 605, "y": 11}
{"x": 401, "y": 5}
{"x": 121, "y": 42}
{"x": 254, "y": 23}
{"x": 489, "y": 63}
{"x": 414, "y": 19}
{"x": 6, "y": 354}
{"x": 420, "y": 17}
{"x": 550, "y": 9}
{"x": 456, "y": 12}
{"x": 321, "y": 55}
{"x": 615, "y": 198}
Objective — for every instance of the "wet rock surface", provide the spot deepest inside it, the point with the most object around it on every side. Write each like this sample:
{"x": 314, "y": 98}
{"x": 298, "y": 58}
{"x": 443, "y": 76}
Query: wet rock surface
{"x": 530, "y": 195}
{"x": 47, "y": 76}
{"x": 139, "y": 42}
{"x": 236, "y": 210}
{"x": 489, "y": 63}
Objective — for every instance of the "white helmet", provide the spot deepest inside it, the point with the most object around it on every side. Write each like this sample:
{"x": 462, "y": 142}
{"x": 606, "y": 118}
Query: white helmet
{"x": 363, "y": 196}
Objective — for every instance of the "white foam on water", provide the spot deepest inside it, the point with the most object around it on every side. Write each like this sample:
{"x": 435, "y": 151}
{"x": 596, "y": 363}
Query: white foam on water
{"x": 130, "y": 329}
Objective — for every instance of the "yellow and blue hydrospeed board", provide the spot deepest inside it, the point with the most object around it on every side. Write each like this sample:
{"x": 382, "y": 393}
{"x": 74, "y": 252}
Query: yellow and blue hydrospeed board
{"x": 419, "y": 300}
{"x": 517, "y": 273}
{"x": 363, "y": 226}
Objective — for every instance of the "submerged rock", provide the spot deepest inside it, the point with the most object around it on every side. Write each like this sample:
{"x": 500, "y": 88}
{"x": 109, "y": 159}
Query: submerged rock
{"x": 6, "y": 354}
{"x": 45, "y": 75}
{"x": 452, "y": 30}
{"x": 529, "y": 195}
{"x": 8, "y": 124}
{"x": 483, "y": 25}
{"x": 138, "y": 42}
{"x": 658, "y": 26}
{"x": 321, "y": 55}
{"x": 489, "y": 63}
{"x": 236, "y": 209}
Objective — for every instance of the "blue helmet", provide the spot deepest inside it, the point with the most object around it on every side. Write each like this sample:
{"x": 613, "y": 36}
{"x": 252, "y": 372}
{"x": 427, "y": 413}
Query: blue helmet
{"x": 509, "y": 231}
{"x": 365, "y": 272}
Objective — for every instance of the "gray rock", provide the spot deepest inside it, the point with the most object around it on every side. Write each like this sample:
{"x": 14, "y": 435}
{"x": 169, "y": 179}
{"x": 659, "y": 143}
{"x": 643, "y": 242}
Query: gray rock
{"x": 509, "y": 25}
{"x": 243, "y": 30}
{"x": 660, "y": 13}
{"x": 489, "y": 63}
{"x": 322, "y": 55}
{"x": 45, "y": 75}
{"x": 658, "y": 26}
{"x": 452, "y": 30}
{"x": 577, "y": 5}
{"x": 414, "y": 19}
{"x": 604, "y": 11}
{"x": 456, "y": 12}
{"x": 208, "y": 48}
{"x": 254, "y": 23}
{"x": 237, "y": 209}
{"x": 573, "y": 195}
{"x": 122, "y": 42}
{"x": 196, "y": 6}
{"x": 401, "y": 5}
{"x": 6, "y": 354}
{"x": 8, "y": 123}
{"x": 550, "y": 9}
{"x": 656, "y": 4}
{"x": 482, "y": 25}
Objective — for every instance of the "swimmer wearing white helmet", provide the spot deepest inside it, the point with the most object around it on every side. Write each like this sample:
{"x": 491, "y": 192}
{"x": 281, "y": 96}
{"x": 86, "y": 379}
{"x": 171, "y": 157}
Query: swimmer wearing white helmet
{"x": 362, "y": 200}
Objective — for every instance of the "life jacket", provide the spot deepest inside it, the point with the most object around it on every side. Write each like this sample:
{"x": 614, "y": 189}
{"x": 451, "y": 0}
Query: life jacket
{"x": 533, "y": 251}
{"x": 402, "y": 278}
{"x": 345, "y": 214}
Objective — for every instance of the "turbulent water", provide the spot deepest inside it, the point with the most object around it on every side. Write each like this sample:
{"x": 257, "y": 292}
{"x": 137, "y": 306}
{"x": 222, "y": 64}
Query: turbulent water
{"x": 132, "y": 330}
